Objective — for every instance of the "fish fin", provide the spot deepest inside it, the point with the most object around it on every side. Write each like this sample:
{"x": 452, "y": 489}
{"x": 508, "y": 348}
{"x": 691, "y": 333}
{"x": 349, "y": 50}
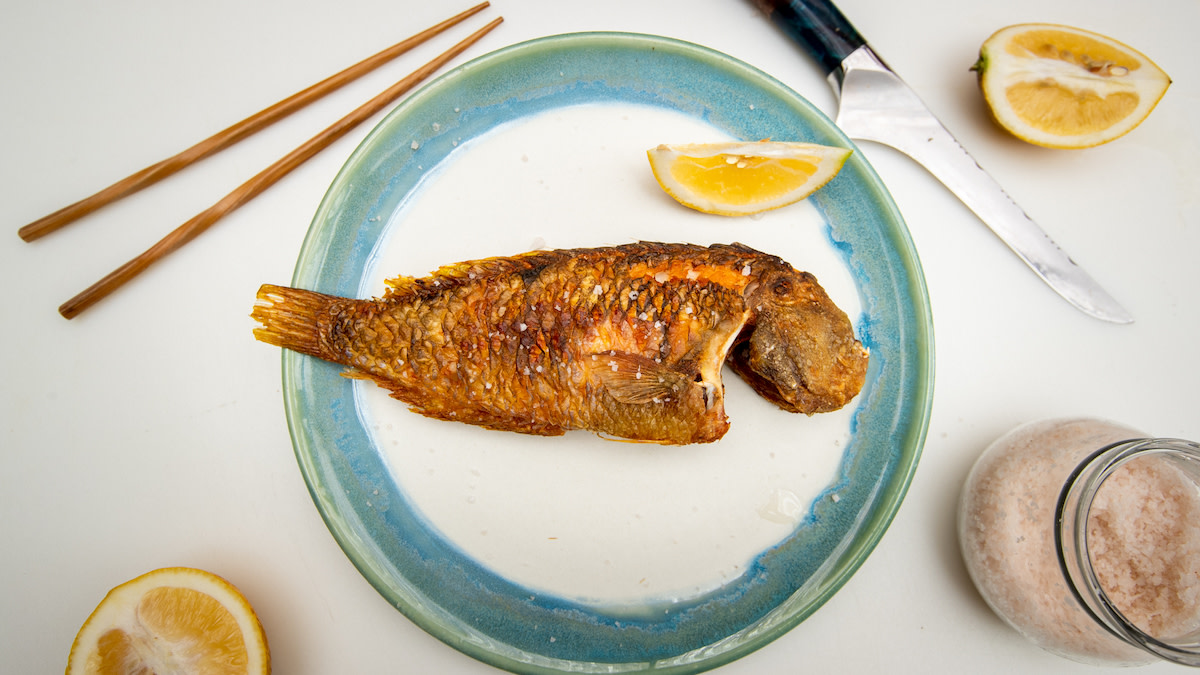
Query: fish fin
{"x": 631, "y": 378}
{"x": 289, "y": 318}
{"x": 620, "y": 439}
{"x": 359, "y": 375}
{"x": 528, "y": 265}
{"x": 399, "y": 285}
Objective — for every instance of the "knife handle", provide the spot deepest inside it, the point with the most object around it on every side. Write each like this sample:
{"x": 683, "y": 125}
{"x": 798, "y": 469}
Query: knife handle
{"x": 817, "y": 25}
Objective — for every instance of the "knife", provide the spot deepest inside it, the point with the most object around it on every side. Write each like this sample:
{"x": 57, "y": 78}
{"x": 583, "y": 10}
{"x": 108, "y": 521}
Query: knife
{"x": 876, "y": 105}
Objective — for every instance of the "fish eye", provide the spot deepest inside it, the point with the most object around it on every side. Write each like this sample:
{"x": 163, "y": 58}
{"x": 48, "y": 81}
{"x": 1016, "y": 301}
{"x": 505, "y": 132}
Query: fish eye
{"x": 782, "y": 288}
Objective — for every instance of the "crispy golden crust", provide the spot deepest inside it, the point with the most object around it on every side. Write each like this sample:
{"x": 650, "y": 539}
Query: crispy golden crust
{"x": 625, "y": 340}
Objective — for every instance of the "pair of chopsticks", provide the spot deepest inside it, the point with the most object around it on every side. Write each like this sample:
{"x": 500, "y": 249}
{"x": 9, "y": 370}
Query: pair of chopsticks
{"x": 264, "y": 179}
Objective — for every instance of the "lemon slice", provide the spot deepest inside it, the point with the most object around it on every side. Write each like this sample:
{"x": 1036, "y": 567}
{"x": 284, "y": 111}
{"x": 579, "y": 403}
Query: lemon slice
{"x": 1062, "y": 87}
{"x": 171, "y": 621}
{"x": 737, "y": 179}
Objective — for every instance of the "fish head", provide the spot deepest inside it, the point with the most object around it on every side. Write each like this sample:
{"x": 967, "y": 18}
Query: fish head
{"x": 798, "y": 350}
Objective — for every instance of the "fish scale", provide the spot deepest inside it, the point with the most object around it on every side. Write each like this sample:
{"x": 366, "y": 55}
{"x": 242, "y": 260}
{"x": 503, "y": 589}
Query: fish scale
{"x": 626, "y": 341}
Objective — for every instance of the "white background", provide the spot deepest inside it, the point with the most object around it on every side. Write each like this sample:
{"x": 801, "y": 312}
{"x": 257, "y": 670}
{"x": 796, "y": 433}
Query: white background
{"x": 150, "y": 432}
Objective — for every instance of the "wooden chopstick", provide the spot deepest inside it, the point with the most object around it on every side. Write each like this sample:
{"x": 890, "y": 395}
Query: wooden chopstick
{"x": 256, "y": 185}
{"x": 223, "y": 139}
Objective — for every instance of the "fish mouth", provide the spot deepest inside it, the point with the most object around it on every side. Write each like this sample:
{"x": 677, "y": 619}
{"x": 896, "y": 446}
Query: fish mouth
{"x": 739, "y": 361}
{"x": 797, "y": 371}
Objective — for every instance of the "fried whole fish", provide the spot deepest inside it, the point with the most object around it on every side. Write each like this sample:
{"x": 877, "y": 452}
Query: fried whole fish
{"x": 626, "y": 341}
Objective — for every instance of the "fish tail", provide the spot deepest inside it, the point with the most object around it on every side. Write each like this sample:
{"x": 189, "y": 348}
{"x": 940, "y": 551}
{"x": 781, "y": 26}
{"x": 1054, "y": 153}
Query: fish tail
{"x": 289, "y": 318}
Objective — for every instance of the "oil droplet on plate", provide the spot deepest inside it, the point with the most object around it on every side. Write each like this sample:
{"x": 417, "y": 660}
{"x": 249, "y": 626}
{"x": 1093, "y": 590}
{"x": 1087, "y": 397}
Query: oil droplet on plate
{"x": 783, "y": 506}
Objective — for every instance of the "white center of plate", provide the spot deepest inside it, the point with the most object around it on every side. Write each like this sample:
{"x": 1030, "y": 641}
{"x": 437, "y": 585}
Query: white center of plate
{"x": 602, "y": 522}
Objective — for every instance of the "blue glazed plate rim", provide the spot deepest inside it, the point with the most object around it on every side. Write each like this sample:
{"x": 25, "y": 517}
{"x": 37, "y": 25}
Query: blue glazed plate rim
{"x": 454, "y": 598}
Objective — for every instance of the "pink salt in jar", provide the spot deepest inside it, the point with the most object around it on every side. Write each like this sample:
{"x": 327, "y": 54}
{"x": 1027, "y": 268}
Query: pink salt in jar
{"x": 1084, "y": 536}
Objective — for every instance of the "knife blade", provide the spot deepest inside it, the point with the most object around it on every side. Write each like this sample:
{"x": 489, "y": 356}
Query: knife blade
{"x": 874, "y": 104}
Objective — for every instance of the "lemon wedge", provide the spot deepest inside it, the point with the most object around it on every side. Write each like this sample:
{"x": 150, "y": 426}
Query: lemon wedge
{"x": 738, "y": 178}
{"x": 171, "y": 621}
{"x": 1063, "y": 87}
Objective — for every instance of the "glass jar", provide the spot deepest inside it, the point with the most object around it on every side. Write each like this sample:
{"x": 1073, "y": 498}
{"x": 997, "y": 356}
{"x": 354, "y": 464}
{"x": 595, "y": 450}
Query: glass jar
{"x": 1084, "y": 536}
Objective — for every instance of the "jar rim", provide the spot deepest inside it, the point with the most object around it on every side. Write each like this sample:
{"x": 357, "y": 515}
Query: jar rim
{"x": 1071, "y": 532}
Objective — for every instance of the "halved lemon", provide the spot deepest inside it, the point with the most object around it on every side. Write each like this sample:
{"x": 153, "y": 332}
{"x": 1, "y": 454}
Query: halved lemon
{"x": 737, "y": 178}
{"x": 171, "y": 621}
{"x": 1063, "y": 87}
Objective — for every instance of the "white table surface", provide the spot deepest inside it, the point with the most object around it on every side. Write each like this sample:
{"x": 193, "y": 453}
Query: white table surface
{"x": 149, "y": 431}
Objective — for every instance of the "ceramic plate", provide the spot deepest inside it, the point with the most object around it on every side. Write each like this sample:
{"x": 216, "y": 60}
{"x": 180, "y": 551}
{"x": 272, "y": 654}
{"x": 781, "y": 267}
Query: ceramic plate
{"x": 543, "y": 144}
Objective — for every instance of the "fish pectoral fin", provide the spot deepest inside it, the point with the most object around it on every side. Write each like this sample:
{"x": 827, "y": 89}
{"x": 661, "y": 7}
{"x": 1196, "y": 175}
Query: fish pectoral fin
{"x": 631, "y": 378}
